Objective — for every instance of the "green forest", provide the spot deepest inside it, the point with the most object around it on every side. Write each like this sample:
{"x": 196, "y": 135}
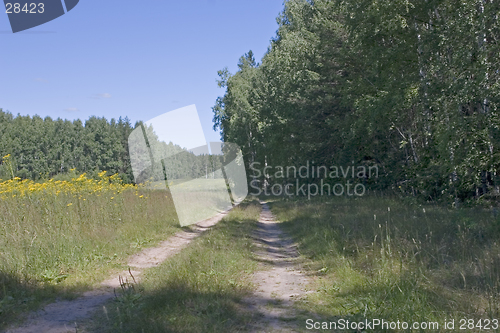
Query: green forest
{"x": 409, "y": 88}
{"x": 40, "y": 149}
{"x": 412, "y": 87}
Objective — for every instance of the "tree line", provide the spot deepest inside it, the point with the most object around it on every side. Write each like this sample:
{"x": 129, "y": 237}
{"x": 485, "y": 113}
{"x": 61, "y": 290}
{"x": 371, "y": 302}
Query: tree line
{"x": 155, "y": 160}
{"x": 41, "y": 148}
{"x": 409, "y": 86}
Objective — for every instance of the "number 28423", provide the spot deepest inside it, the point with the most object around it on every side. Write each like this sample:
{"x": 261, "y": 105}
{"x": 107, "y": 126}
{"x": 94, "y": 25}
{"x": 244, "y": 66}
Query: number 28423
{"x": 32, "y": 8}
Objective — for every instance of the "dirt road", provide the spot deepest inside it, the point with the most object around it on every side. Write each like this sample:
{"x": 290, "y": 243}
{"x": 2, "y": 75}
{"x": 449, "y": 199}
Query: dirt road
{"x": 63, "y": 316}
{"x": 280, "y": 282}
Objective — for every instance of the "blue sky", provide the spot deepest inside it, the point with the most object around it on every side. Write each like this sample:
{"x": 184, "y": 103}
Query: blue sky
{"x": 131, "y": 58}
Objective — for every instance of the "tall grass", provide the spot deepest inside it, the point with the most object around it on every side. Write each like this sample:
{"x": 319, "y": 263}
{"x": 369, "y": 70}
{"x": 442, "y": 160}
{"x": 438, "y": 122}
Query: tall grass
{"x": 60, "y": 237}
{"x": 381, "y": 258}
{"x": 197, "y": 290}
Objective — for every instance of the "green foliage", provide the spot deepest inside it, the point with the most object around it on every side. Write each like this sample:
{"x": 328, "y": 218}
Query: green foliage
{"x": 169, "y": 161}
{"x": 411, "y": 86}
{"x": 44, "y": 148}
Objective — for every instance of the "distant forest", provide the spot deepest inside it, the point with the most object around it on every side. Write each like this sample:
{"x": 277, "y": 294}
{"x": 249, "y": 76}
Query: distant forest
{"x": 40, "y": 149}
{"x": 410, "y": 86}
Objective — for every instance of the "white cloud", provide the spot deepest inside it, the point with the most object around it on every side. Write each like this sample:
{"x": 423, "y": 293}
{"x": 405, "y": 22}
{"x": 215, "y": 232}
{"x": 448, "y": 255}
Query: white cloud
{"x": 103, "y": 95}
{"x": 72, "y": 110}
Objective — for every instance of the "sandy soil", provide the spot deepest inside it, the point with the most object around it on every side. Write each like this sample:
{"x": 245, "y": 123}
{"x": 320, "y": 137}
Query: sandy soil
{"x": 280, "y": 282}
{"x": 63, "y": 316}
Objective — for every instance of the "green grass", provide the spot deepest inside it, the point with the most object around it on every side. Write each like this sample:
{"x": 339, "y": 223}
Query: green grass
{"x": 197, "y": 290}
{"x": 57, "y": 246}
{"x": 372, "y": 258}
{"x": 380, "y": 258}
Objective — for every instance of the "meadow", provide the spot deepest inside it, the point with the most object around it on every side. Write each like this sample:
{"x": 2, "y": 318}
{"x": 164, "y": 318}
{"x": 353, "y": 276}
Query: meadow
{"x": 197, "y": 290}
{"x": 370, "y": 257}
{"x": 64, "y": 235}
{"x": 386, "y": 258}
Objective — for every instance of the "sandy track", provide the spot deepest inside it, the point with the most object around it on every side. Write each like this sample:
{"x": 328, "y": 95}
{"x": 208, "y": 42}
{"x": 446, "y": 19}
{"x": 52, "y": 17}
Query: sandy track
{"x": 280, "y": 283}
{"x": 63, "y": 316}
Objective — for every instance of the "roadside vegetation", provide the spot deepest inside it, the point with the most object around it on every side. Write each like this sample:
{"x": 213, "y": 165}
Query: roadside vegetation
{"x": 61, "y": 237}
{"x": 410, "y": 88}
{"x": 197, "y": 290}
{"x": 387, "y": 259}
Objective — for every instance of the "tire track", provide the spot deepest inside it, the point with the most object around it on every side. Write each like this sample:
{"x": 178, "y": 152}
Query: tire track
{"x": 63, "y": 316}
{"x": 280, "y": 283}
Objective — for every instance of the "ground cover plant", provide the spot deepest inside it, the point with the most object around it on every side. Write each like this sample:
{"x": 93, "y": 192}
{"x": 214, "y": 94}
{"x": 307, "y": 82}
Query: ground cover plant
{"x": 387, "y": 259}
{"x": 197, "y": 290}
{"x": 60, "y": 237}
